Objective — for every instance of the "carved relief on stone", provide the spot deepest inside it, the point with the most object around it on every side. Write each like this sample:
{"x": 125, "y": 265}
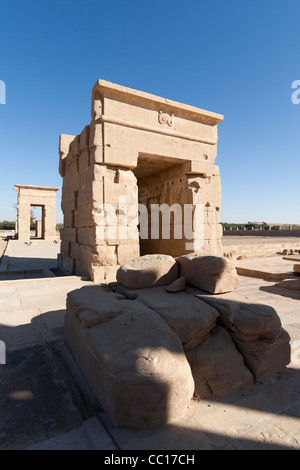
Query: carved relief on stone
{"x": 195, "y": 183}
{"x": 165, "y": 118}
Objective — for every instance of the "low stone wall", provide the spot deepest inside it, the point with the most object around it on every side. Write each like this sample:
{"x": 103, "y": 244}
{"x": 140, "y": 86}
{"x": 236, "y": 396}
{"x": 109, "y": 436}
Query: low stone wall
{"x": 7, "y": 233}
{"x": 260, "y": 250}
{"x": 264, "y": 233}
{"x": 11, "y": 233}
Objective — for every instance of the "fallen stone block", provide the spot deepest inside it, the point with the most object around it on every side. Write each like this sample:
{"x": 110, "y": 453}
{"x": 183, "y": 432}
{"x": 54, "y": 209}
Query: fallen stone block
{"x": 148, "y": 271}
{"x": 133, "y": 362}
{"x": 92, "y": 306}
{"x": 296, "y": 268}
{"x": 265, "y": 358}
{"x": 293, "y": 284}
{"x": 217, "y": 366}
{"x": 256, "y": 330}
{"x": 177, "y": 286}
{"x": 247, "y": 319}
{"x": 190, "y": 318}
{"x": 214, "y": 274}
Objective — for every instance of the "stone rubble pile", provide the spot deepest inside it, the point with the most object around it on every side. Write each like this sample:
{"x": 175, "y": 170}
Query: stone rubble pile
{"x": 167, "y": 330}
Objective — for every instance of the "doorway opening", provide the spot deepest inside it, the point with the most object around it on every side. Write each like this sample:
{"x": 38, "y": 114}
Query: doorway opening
{"x": 161, "y": 191}
{"x": 37, "y": 221}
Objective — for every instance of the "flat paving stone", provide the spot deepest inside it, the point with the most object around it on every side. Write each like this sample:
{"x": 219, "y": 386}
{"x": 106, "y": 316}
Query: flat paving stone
{"x": 38, "y": 254}
{"x": 274, "y": 267}
{"x": 91, "y": 435}
{"x": 35, "y": 402}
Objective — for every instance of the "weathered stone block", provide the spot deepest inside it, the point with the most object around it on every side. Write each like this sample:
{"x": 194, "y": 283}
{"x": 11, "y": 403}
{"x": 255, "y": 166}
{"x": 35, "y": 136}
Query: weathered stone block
{"x": 86, "y": 235}
{"x": 81, "y": 270}
{"x": 189, "y": 318}
{"x": 68, "y": 201}
{"x": 83, "y": 160}
{"x": 69, "y": 219}
{"x": 96, "y": 136}
{"x": 86, "y": 216}
{"x": 91, "y": 192}
{"x": 103, "y": 274}
{"x": 90, "y": 255}
{"x": 64, "y": 144}
{"x": 256, "y": 330}
{"x": 106, "y": 256}
{"x": 210, "y": 273}
{"x": 177, "y": 286}
{"x": 132, "y": 360}
{"x": 68, "y": 234}
{"x": 84, "y": 139}
{"x": 296, "y": 268}
{"x": 249, "y": 320}
{"x": 74, "y": 146}
{"x": 266, "y": 358}
{"x": 127, "y": 252}
{"x": 148, "y": 271}
{"x": 217, "y": 366}
{"x": 293, "y": 284}
{"x": 68, "y": 264}
{"x": 96, "y": 155}
{"x": 113, "y": 193}
{"x": 65, "y": 248}
{"x": 126, "y": 177}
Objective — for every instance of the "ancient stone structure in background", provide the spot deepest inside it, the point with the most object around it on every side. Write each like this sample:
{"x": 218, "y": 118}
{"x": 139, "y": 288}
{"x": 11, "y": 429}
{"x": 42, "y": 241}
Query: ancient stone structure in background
{"x": 36, "y": 196}
{"x": 146, "y": 150}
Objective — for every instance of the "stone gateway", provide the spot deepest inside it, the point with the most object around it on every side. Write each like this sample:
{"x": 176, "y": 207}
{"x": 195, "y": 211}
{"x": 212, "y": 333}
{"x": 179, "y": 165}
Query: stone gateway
{"x": 139, "y": 152}
{"x": 36, "y": 196}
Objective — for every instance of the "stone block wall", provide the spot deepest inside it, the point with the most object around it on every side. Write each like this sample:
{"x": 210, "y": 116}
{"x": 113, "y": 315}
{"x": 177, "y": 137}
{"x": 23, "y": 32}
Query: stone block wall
{"x": 86, "y": 186}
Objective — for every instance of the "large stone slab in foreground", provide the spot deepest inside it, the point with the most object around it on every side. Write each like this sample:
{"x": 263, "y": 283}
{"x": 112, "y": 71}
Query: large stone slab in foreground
{"x": 190, "y": 318}
{"x": 217, "y": 366}
{"x": 214, "y": 274}
{"x": 145, "y": 352}
{"x": 133, "y": 362}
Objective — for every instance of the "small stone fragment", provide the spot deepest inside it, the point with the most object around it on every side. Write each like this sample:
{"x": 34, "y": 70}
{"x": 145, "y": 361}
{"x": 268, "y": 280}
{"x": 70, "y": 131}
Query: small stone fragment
{"x": 177, "y": 286}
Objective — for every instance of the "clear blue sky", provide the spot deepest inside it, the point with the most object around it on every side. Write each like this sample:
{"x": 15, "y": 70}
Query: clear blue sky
{"x": 235, "y": 57}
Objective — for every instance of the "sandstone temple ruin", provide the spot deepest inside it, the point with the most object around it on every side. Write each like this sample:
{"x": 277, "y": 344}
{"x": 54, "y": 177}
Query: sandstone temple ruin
{"x": 170, "y": 329}
{"x": 137, "y": 149}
